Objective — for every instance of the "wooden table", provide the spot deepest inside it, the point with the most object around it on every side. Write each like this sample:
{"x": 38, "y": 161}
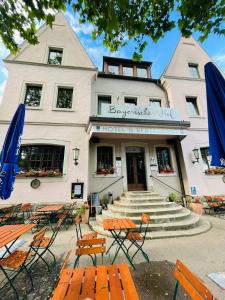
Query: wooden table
{"x": 116, "y": 227}
{"x": 100, "y": 283}
{"x": 10, "y": 233}
{"x": 51, "y": 208}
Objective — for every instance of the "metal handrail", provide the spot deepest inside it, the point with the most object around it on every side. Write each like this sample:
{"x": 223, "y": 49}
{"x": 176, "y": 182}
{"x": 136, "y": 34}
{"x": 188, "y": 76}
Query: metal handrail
{"x": 172, "y": 188}
{"x": 110, "y": 185}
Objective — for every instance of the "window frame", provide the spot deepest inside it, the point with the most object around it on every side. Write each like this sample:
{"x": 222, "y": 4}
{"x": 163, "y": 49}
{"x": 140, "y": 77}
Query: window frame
{"x": 24, "y": 90}
{"x": 155, "y": 100}
{"x": 113, "y": 65}
{"x": 143, "y": 68}
{"x": 96, "y": 162}
{"x": 197, "y": 106}
{"x": 172, "y": 160}
{"x": 33, "y": 144}
{"x": 52, "y": 48}
{"x": 130, "y": 67}
{"x": 194, "y": 65}
{"x": 101, "y": 95}
{"x": 66, "y": 86}
{"x": 130, "y": 97}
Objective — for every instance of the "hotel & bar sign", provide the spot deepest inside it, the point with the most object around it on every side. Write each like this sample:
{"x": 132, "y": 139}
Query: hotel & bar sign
{"x": 127, "y": 111}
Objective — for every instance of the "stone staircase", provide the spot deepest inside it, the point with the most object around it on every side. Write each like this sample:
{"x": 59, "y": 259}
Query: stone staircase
{"x": 168, "y": 219}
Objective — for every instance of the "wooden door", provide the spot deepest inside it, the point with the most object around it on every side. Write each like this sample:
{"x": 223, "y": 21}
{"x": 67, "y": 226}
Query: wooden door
{"x": 136, "y": 177}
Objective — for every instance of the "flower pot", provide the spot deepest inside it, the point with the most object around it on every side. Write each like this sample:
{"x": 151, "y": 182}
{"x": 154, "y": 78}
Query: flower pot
{"x": 197, "y": 208}
{"x": 98, "y": 210}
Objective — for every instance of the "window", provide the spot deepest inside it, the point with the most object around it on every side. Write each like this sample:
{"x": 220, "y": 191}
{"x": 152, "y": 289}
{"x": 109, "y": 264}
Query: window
{"x": 130, "y": 100}
{"x": 33, "y": 95}
{"x": 128, "y": 71}
{"x": 104, "y": 159}
{"x": 155, "y": 103}
{"x": 55, "y": 56}
{"x": 193, "y": 68}
{"x": 142, "y": 72}
{"x": 164, "y": 160}
{"x": 41, "y": 160}
{"x": 103, "y": 100}
{"x": 113, "y": 69}
{"x": 205, "y": 158}
{"x": 192, "y": 106}
{"x": 64, "y": 98}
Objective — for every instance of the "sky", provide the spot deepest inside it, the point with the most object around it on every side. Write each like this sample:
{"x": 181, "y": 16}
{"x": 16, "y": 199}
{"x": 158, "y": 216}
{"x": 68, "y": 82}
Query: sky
{"x": 158, "y": 53}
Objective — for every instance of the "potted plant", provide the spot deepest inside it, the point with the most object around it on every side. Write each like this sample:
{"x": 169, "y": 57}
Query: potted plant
{"x": 197, "y": 206}
{"x": 172, "y": 197}
{"x": 83, "y": 212}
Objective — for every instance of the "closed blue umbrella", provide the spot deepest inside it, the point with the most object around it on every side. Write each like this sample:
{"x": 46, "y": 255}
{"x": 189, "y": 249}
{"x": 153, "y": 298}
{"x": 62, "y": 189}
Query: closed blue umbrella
{"x": 215, "y": 89}
{"x": 10, "y": 153}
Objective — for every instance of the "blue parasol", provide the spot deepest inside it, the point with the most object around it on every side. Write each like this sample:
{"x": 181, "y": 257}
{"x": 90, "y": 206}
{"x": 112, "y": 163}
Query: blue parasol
{"x": 215, "y": 89}
{"x": 10, "y": 153}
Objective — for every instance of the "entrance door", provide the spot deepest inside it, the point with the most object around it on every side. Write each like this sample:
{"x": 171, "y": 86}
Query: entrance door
{"x": 136, "y": 177}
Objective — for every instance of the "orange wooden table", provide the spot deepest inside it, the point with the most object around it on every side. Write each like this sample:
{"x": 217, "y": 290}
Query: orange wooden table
{"x": 116, "y": 227}
{"x": 100, "y": 283}
{"x": 10, "y": 233}
{"x": 51, "y": 208}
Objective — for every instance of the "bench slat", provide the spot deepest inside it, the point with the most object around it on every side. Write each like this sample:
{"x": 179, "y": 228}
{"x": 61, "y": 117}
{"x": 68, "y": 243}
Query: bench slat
{"x": 88, "y": 290}
{"x": 102, "y": 286}
{"x": 91, "y": 250}
{"x": 91, "y": 242}
{"x": 114, "y": 283}
{"x": 127, "y": 282}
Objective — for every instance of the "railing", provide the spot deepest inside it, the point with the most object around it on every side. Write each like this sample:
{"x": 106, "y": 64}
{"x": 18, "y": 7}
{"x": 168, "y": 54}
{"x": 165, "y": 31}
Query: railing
{"x": 110, "y": 185}
{"x": 172, "y": 188}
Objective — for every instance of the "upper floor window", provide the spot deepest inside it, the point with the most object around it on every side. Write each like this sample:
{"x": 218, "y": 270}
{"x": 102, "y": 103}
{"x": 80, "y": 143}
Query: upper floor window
{"x": 164, "y": 160}
{"x": 41, "y": 160}
{"x": 128, "y": 71}
{"x": 55, "y": 56}
{"x": 130, "y": 100}
{"x": 193, "y": 68}
{"x": 103, "y": 99}
{"x": 205, "y": 158}
{"x": 113, "y": 69}
{"x": 105, "y": 160}
{"x": 192, "y": 106}
{"x": 33, "y": 95}
{"x": 64, "y": 97}
{"x": 142, "y": 72}
{"x": 155, "y": 103}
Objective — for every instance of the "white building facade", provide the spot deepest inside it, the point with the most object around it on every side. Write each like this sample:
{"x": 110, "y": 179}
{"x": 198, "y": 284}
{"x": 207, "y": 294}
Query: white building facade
{"x": 133, "y": 132}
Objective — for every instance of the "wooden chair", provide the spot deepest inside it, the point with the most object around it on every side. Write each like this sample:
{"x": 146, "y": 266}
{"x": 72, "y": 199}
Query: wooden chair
{"x": 20, "y": 260}
{"x": 101, "y": 282}
{"x": 90, "y": 247}
{"x": 46, "y": 244}
{"x": 87, "y": 235}
{"x": 137, "y": 238}
{"x": 26, "y": 210}
{"x": 194, "y": 287}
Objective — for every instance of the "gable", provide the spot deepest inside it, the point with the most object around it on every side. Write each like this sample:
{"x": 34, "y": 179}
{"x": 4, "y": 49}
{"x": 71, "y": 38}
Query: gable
{"x": 59, "y": 36}
{"x": 188, "y": 51}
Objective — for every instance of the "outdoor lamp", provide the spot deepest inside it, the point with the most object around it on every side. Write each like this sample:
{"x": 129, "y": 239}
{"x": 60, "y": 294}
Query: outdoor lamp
{"x": 76, "y": 155}
{"x": 196, "y": 155}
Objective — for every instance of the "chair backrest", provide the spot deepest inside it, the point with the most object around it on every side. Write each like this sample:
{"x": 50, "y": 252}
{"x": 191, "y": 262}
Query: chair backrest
{"x": 56, "y": 230}
{"x": 65, "y": 262}
{"x": 145, "y": 219}
{"x": 26, "y": 207}
{"x": 36, "y": 242}
{"x": 195, "y": 288}
{"x": 92, "y": 246}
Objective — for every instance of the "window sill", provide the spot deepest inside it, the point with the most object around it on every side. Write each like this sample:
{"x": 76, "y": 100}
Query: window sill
{"x": 39, "y": 176}
{"x": 63, "y": 109}
{"x": 33, "y": 108}
{"x": 166, "y": 174}
{"x": 104, "y": 176}
{"x": 197, "y": 117}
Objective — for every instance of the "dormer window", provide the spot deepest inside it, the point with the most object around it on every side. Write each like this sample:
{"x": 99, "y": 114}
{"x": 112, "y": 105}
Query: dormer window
{"x": 113, "y": 69}
{"x": 128, "y": 71}
{"x": 142, "y": 72}
{"x": 55, "y": 56}
{"x": 193, "y": 68}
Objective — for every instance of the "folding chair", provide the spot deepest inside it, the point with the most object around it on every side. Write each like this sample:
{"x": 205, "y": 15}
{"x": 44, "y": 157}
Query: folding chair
{"x": 79, "y": 234}
{"x": 194, "y": 287}
{"x": 20, "y": 260}
{"x": 26, "y": 210}
{"x": 90, "y": 247}
{"x": 45, "y": 245}
{"x": 137, "y": 238}
{"x": 67, "y": 214}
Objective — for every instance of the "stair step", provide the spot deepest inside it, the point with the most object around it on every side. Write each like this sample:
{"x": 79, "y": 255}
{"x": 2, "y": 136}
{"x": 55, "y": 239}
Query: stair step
{"x": 143, "y": 204}
{"x": 146, "y": 209}
{"x": 203, "y": 226}
{"x": 142, "y": 199}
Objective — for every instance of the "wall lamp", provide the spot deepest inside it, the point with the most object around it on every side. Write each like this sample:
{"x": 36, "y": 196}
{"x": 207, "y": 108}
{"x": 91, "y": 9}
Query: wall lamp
{"x": 76, "y": 152}
{"x": 196, "y": 155}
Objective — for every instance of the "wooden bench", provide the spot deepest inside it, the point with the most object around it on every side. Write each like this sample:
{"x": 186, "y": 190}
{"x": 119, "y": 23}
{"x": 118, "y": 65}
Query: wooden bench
{"x": 112, "y": 282}
{"x": 194, "y": 287}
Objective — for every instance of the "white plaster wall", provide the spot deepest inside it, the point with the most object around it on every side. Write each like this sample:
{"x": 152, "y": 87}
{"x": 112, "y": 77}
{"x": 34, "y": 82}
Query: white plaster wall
{"x": 118, "y": 89}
